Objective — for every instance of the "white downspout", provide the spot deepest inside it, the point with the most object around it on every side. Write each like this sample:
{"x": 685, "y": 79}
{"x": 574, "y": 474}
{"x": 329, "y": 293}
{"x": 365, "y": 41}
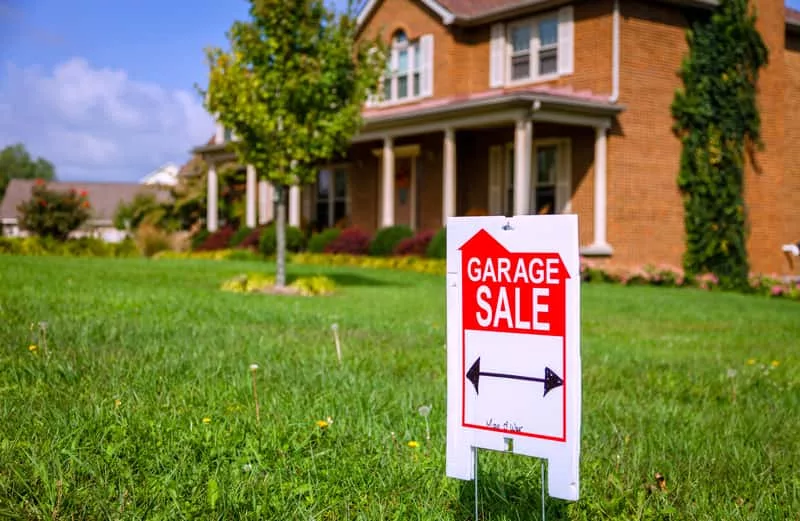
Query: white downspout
{"x": 615, "y": 54}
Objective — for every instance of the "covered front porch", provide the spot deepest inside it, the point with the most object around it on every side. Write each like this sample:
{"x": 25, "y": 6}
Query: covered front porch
{"x": 509, "y": 154}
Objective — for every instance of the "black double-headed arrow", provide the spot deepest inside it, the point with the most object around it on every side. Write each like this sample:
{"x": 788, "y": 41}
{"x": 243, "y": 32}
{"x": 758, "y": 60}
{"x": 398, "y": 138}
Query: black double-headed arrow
{"x": 551, "y": 380}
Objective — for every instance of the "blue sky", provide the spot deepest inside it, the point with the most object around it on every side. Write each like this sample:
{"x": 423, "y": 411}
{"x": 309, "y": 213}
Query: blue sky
{"x": 105, "y": 88}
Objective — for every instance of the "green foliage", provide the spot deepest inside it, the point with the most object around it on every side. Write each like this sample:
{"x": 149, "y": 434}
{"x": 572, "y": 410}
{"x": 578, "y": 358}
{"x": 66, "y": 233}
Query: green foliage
{"x": 437, "y": 249}
{"x": 239, "y": 235}
{"x": 386, "y": 239}
{"x": 318, "y": 241}
{"x": 199, "y": 238}
{"x": 17, "y": 163}
{"x": 82, "y": 247}
{"x": 291, "y": 89}
{"x": 142, "y": 208}
{"x": 53, "y": 213}
{"x": 295, "y": 240}
{"x": 717, "y": 120}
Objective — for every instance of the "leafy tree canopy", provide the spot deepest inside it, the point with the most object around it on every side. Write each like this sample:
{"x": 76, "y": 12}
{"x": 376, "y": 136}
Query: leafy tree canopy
{"x": 17, "y": 163}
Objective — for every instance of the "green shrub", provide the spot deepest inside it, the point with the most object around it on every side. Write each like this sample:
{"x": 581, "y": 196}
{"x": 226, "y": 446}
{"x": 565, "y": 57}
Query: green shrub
{"x": 240, "y": 235}
{"x": 386, "y": 240}
{"x": 437, "y": 249}
{"x": 295, "y": 240}
{"x": 200, "y": 237}
{"x": 320, "y": 240}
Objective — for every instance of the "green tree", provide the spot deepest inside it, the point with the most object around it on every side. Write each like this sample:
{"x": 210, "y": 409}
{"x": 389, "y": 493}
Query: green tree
{"x": 53, "y": 213}
{"x": 291, "y": 89}
{"x": 717, "y": 119}
{"x": 17, "y": 163}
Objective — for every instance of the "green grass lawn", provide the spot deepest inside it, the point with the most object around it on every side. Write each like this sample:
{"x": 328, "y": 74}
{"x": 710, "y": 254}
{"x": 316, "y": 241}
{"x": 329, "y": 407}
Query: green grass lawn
{"x": 109, "y": 423}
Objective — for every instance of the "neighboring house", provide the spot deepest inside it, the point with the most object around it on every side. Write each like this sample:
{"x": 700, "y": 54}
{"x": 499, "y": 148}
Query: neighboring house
{"x": 104, "y": 199}
{"x": 166, "y": 175}
{"x": 509, "y": 107}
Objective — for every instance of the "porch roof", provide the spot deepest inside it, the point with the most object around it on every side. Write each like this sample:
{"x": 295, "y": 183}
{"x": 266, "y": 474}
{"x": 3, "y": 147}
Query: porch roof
{"x": 562, "y": 100}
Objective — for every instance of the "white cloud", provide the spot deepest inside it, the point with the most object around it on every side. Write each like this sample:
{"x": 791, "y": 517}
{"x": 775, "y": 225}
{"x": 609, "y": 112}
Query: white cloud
{"x": 99, "y": 124}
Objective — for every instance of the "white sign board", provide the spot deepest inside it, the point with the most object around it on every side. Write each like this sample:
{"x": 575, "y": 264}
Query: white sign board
{"x": 513, "y": 343}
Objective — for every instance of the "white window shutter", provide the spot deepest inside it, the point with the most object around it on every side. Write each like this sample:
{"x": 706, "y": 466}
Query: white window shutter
{"x": 566, "y": 39}
{"x": 564, "y": 179}
{"x": 497, "y": 56}
{"x": 426, "y": 62}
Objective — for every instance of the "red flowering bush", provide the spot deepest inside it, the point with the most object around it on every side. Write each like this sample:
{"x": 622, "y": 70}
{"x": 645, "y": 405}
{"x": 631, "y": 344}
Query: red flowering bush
{"x": 219, "y": 240}
{"x": 53, "y": 213}
{"x": 252, "y": 239}
{"x": 351, "y": 241}
{"x": 416, "y": 245}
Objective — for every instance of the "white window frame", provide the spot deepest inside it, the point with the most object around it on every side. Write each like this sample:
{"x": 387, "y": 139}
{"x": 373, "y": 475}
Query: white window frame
{"x": 534, "y": 50}
{"x": 564, "y": 168}
{"x": 414, "y": 69}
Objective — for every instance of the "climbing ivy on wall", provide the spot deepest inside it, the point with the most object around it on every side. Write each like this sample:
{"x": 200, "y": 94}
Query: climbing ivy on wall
{"x": 717, "y": 119}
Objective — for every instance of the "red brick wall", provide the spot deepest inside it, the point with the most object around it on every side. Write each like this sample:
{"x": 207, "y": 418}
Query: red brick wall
{"x": 791, "y": 158}
{"x": 645, "y": 213}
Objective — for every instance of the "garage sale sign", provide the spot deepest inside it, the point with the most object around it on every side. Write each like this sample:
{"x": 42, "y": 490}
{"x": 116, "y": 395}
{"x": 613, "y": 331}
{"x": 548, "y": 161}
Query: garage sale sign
{"x": 513, "y": 343}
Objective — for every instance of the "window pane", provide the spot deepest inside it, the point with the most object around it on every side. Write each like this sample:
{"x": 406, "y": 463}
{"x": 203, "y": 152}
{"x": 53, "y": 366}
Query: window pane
{"x": 546, "y": 165}
{"x": 521, "y": 38}
{"x": 548, "y": 32}
{"x": 545, "y": 199}
{"x": 520, "y": 67}
{"x": 322, "y": 216}
{"x": 510, "y": 183}
{"x": 400, "y": 37}
{"x": 341, "y": 184}
{"x": 548, "y": 62}
{"x": 339, "y": 212}
{"x": 402, "y": 61}
{"x": 402, "y": 86}
{"x": 387, "y": 88}
{"x": 324, "y": 184}
{"x": 417, "y": 57}
{"x": 416, "y": 84}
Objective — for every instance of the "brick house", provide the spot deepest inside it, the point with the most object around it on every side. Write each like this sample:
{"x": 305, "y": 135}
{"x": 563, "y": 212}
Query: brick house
{"x": 525, "y": 106}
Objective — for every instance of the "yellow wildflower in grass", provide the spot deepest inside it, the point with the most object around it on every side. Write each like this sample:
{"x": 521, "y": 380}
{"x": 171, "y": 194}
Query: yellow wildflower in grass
{"x": 413, "y": 444}
{"x": 775, "y": 363}
{"x": 322, "y": 424}
{"x": 751, "y": 361}
{"x": 32, "y": 348}
{"x": 206, "y": 420}
{"x": 117, "y": 402}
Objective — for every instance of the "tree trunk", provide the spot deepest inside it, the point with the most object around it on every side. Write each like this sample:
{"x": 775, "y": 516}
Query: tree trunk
{"x": 280, "y": 236}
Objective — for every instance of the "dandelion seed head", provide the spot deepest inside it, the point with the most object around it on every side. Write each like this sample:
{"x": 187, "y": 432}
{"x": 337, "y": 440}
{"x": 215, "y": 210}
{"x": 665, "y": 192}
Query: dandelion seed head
{"x": 254, "y": 367}
{"x": 731, "y": 373}
{"x": 424, "y": 410}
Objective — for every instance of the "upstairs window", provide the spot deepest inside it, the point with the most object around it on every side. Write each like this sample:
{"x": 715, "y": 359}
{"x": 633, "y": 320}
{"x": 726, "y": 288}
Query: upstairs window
{"x": 532, "y": 49}
{"x": 409, "y": 71}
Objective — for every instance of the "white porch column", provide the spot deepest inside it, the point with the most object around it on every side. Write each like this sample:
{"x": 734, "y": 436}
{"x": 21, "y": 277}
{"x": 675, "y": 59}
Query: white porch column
{"x": 294, "y": 205}
{"x": 250, "y": 197}
{"x": 212, "y": 215}
{"x": 387, "y": 185}
{"x": 523, "y": 142}
{"x": 600, "y": 245}
{"x": 449, "y": 176}
{"x": 264, "y": 202}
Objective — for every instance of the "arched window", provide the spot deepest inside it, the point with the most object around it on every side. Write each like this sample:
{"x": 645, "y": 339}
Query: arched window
{"x": 402, "y": 78}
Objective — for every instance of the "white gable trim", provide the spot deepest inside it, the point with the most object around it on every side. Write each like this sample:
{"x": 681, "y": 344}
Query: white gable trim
{"x": 446, "y": 16}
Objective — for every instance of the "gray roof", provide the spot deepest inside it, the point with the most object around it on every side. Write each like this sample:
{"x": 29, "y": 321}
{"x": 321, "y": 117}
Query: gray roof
{"x": 104, "y": 197}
